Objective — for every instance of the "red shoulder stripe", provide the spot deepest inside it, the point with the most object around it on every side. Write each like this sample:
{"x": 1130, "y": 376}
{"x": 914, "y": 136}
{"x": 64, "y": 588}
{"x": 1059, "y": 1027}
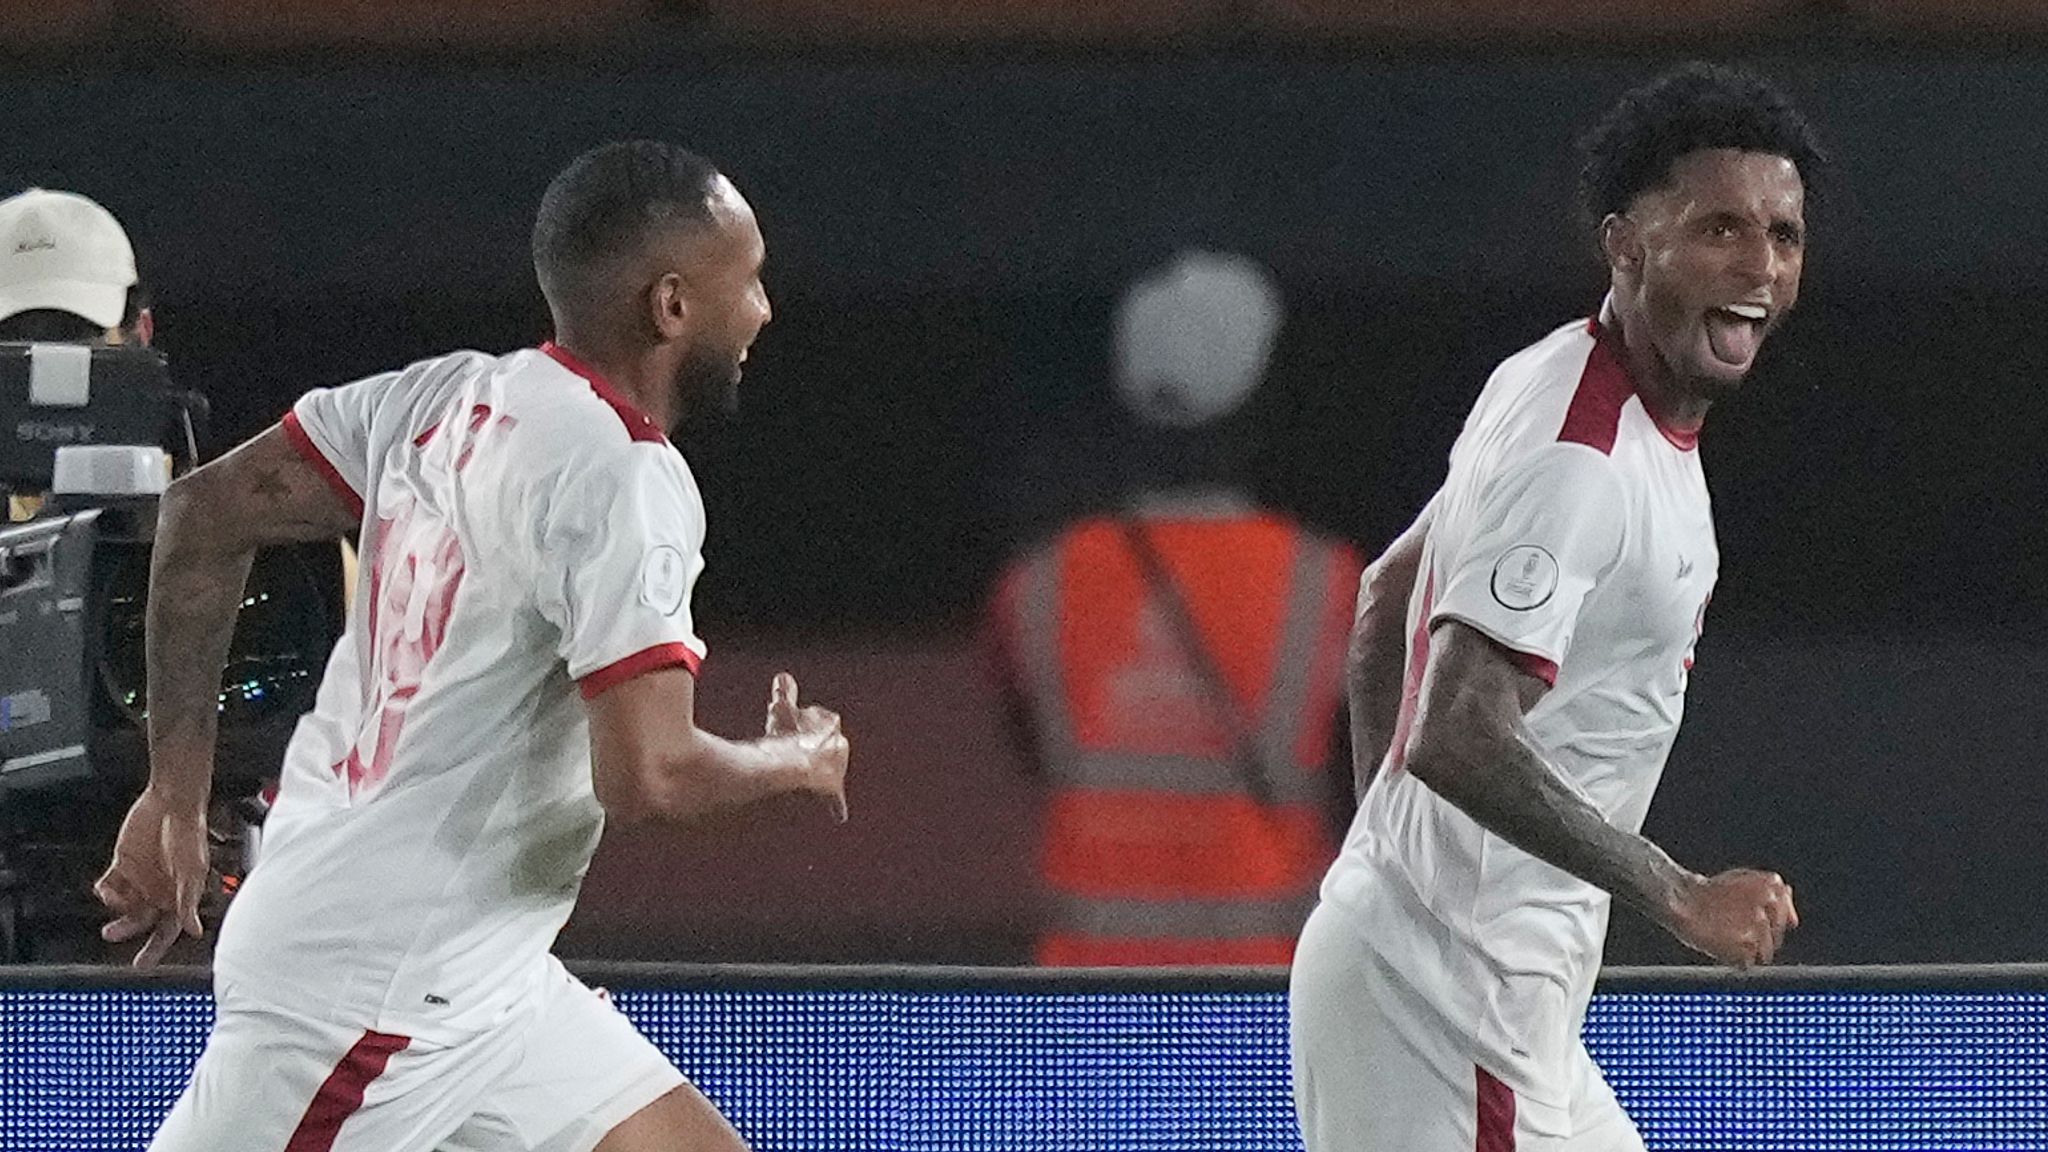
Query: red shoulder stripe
{"x": 1594, "y": 418}
{"x": 638, "y": 424}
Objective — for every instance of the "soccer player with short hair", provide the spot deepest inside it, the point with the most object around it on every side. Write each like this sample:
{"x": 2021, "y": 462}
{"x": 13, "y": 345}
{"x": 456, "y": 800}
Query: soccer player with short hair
{"x": 518, "y": 668}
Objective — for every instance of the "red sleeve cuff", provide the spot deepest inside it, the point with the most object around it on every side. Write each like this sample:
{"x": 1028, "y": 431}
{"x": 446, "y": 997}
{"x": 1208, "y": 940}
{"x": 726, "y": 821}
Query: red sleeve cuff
{"x": 1541, "y": 667}
{"x": 646, "y": 660}
{"x": 1537, "y": 666}
{"x": 295, "y": 434}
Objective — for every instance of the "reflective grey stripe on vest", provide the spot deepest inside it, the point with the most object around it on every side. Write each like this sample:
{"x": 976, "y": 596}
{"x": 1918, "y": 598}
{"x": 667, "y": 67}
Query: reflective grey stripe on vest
{"x": 1287, "y": 716}
{"x": 1183, "y": 919}
{"x": 1186, "y": 775}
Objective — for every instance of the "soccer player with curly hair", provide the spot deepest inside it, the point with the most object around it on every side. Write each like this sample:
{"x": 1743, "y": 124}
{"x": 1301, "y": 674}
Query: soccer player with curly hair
{"x": 1519, "y": 662}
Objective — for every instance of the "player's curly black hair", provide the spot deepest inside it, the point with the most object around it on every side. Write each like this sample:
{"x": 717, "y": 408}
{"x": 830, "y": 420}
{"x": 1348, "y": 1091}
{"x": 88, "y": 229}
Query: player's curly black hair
{"x": 602, "y": 204}
{"x": 1696, "y": 106}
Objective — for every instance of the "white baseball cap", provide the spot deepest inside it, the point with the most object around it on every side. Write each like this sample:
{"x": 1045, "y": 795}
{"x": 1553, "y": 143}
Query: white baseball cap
{"x": 61, "y": 251}
{"x": 1192, "y": 339}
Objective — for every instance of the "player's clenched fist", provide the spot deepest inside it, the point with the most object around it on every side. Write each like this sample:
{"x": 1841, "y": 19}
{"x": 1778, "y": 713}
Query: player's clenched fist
{"x": 818, "y": 733}
{"x": 1738, "y": 917}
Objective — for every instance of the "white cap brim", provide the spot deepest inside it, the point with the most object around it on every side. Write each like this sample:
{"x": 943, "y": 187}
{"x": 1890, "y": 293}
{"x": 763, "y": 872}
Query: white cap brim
{"x": 103, "y": 304}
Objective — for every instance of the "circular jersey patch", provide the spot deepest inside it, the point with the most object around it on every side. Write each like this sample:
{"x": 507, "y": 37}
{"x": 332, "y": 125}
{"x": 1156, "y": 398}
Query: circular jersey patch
{"x": 661, "y": 579}
{"x": 1525, "y": 578}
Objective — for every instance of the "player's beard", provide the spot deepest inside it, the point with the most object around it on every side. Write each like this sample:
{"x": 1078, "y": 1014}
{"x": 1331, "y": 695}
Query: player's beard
{"x": 708, "y": 385}
{"x": 1709, "y": 387}
{"x": 1716, "y": 388}
{"x": 1679, "y": 342}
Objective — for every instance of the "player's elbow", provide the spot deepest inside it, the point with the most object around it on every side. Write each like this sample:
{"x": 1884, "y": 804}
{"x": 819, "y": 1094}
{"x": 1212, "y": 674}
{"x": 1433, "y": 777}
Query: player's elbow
{"x": 196, "y": 519}
{"x": 181, "y": 510}
{"x": 1426, "y": 761}
{"x": 1446, "y": 771}
{"x": 647, "y": 785}
{"x": 643, "y": 798}
{"x": 182, "y": 490}
{"x": 1450, "y": 747}
{"x": 625, "y": 799}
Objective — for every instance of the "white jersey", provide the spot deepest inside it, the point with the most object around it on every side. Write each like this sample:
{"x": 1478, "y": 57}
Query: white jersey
{"x": 526, "y": 533}
{"x": 1575, "y": 531}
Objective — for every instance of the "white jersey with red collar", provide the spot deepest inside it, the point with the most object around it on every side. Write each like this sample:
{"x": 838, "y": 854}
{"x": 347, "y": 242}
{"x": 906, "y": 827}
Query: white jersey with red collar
{"x": 526, "y": 533}
{"x": 1574, "y": 531}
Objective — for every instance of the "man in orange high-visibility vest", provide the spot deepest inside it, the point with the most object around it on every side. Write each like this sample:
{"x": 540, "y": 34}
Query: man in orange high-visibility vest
{"x": 1180, "y": 664}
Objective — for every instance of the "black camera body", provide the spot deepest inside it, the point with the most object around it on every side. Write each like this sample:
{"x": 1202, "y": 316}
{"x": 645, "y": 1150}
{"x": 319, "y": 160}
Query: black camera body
{"x": 46, "y": 577}
{"x": 57, "y": 395}
{"x": 73, "y": 680}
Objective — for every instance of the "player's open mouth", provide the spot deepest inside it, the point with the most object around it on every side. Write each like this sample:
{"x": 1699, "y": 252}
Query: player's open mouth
{"x": 1735, "y": 332}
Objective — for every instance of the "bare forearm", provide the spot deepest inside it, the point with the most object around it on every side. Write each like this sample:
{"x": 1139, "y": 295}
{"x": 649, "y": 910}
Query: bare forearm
{"x": 1377, "y": 664}
{"x": 209, "y": 527}
{"x": 196, "y": 582}
{"x": 1373, "y": 686}
{"x": 1505, "y": 784}
{"x": 713, "y": 775}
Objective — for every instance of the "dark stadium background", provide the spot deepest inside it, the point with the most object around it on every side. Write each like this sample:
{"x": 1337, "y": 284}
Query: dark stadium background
{"x": 948, "y": 224}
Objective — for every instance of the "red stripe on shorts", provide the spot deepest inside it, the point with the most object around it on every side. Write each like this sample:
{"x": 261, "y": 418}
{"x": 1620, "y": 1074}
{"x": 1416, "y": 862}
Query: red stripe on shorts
{"x": 342, "y": 1094}
{"x": 1496, "y": 1114}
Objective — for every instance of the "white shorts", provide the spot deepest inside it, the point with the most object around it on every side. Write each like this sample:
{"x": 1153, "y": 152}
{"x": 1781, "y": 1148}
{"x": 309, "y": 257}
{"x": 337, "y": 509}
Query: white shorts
{"x": 1377, "y": 1068}
{"x": 555, "y": 1078}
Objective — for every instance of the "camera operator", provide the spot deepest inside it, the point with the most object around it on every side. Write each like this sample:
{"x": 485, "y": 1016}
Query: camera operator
{"x": 67, "y": 276}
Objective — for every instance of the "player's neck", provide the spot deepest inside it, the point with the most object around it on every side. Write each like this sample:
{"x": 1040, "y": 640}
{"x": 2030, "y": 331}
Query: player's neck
{"x": 644, "y": 376}
{"x": 1671, "y": 402}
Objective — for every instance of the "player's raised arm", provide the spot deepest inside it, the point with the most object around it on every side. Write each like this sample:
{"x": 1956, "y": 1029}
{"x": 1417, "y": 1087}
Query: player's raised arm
{"x": 210, "y": 525}
{"x": 651, "y": 761}
{"x": 1471, "y": 747}
{"x": 1376, "y": 662}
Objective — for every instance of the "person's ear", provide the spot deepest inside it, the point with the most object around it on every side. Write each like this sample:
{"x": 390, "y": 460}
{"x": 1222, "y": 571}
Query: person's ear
{"x": 1621, "y": 242}
{"x": 668, "y": 308}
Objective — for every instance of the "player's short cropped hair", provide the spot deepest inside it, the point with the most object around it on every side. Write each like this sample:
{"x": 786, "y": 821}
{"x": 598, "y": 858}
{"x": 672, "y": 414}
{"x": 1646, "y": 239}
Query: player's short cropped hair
{"x": 1689, "y": 109}
{"x": 604, "y": 203}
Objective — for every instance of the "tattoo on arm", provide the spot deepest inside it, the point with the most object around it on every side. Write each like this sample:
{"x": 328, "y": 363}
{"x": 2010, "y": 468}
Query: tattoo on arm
{"x": 290, "y": 502}
{"x": 194, "y": 595}
{"x": 268, "y": 484}
{"x": 209, "y": 527}
{"x": 1472, "y": 747}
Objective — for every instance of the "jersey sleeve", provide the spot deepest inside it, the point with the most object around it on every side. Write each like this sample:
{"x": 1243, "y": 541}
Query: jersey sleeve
{"x": 620, "y": 553}
{"x": 344, "y": 431}
{"x": 1544, "y": 534}
{"x": 331, "y": 429}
